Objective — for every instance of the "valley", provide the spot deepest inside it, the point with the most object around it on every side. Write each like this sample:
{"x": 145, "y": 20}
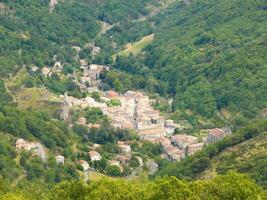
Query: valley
{"x": 158, "y": 99}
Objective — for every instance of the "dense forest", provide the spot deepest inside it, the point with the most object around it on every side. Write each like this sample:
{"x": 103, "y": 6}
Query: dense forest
{"x": 31, "y": 35}
{"x": 211, "y": 55}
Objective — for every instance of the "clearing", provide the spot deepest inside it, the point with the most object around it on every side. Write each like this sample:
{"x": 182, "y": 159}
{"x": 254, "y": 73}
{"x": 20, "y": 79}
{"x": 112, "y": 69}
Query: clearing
{"x": 136, "y": 48}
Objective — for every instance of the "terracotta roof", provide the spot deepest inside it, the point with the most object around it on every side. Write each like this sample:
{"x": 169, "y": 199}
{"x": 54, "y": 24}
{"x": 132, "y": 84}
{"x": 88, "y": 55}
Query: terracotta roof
{"x": 216, "y": 132}
{"x": 112, "y": 93}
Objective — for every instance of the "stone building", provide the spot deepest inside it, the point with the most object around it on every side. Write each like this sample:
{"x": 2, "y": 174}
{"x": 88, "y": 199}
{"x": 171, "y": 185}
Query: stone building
{"x": 182, "y": 141}
{"x": 95, "y": 156}
{"x": 193, "y": 148}
{"x": 60, "y": 159}
{"x": 218, "y": 134}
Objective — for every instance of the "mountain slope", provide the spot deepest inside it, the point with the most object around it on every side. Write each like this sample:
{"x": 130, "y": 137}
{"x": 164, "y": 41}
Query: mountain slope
{"x": 243, "y": 151}
{"x": 247, "y": 157}
{"x": 32, "y": 35}
{"x": 213, "y": 55}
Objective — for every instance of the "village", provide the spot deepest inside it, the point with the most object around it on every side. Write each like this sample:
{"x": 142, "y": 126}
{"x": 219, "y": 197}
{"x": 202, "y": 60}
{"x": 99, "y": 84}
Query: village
{"x": 132, "y": 110}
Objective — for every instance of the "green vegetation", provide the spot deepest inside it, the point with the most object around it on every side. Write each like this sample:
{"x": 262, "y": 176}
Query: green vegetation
{"x": 136, "y": 47}
{"x": 254, "y": 165}
{"x": 227, "y": 187}
{"x": 210, "y": 55}
{"x": 114, "y": 103}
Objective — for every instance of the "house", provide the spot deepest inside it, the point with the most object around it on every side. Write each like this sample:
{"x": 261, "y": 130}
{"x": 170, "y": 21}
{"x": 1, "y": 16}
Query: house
{"x": 193, "y": 148}
{"x": 93, "y": 125}
{"x": 83, "y": 62}
{"x": 95, "y": 51}
{"x": 2, "y": 5}
{"x": 174, "y": 154}
{"x": 112, "y": 94}
{"x": 60, "y": 159}
{"x": 122, "y": 159}
{"x": 170, "y": 127}
{"x": 76, "y": 48}
{"x": 34, "y": 68}
{"x": 58, "y": 67}
{"x": 84, "y": 165}
{"x": 152, "y": 166}
{"x": 116, "y": 163}
{"x": 21, "y": 144}
{"x": 35, "y": 147}
{"x": 164, "y": 142}
{"x": 46, "y": 72}
{"x": 125, "y": 149}
{"x": 217, "y": 134}
{"x": 94, "y": 155}
{"x": 95, "y": 146}
{"x": 82, "y": 121}
{"x": 182, "y": 141}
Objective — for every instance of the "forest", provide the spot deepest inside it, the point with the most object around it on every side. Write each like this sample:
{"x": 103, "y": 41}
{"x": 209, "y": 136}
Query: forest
{"x": 209, "y": 55}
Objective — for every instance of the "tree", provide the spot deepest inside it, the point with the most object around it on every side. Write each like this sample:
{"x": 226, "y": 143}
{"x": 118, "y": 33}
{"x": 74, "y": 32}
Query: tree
{"x": 113, "y": 170}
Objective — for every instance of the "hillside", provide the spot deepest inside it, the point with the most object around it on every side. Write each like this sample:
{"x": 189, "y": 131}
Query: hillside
{"x": 247, "y": 157}
{"x": 33, "y": 35}
{"x": 211, "y": 55}
{"x": 117, "y": 99}
{"x": 243, "y": 152}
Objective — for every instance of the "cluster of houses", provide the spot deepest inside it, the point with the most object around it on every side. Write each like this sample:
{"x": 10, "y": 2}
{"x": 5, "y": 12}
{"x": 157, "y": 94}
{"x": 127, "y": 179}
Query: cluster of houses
{"x": 47, "y": 72}
{"x": 178, "y": 147}
{"x": 119, "y": 160}
{"x": 90, "y": 76}
{"x": 135, "y": 112}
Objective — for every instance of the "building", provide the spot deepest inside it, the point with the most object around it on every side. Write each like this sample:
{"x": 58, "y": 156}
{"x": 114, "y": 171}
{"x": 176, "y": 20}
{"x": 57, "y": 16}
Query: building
{"x": 122, "y": 159}
{"x": 60, "y": 159}
{"x": 76, "y": 48}
{"x": 182, "y": 141}
{"x": 95, "y": 51}
{"x": 170, "y": 127}
{"x": 152, "y": 166}
{"x": 35, "y": 147}
{"x": 112, "y": 94}
{"x": 193, "y": 148}
{"x": 125, "y": 149}
{"x": 83, "y": 62}
{"x": 46, "y": 72}
{"x": 82, "y": 121}
{"x": 21, "y": 144}
{"x": 84, "y": 165}
{"x": 116, "y": 163}
{"x": 164, "y": 142}
{"x": 218, "y": 134}
{"x": 94, "y": 155}
{"x": 174, "y": 154}
{"x": 58, "y": 67}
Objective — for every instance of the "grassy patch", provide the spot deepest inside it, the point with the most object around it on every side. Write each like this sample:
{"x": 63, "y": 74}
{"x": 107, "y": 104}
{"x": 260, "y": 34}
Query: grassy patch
{"x": 34, "y": 98}
{"x": 136, "y": 47}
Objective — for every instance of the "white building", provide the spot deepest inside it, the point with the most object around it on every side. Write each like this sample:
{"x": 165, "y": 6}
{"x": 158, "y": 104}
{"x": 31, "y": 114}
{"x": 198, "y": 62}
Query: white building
{"x": 60, "y": 159}
{"x": 84, "y": 165}
{"x": 95, "y": 156}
